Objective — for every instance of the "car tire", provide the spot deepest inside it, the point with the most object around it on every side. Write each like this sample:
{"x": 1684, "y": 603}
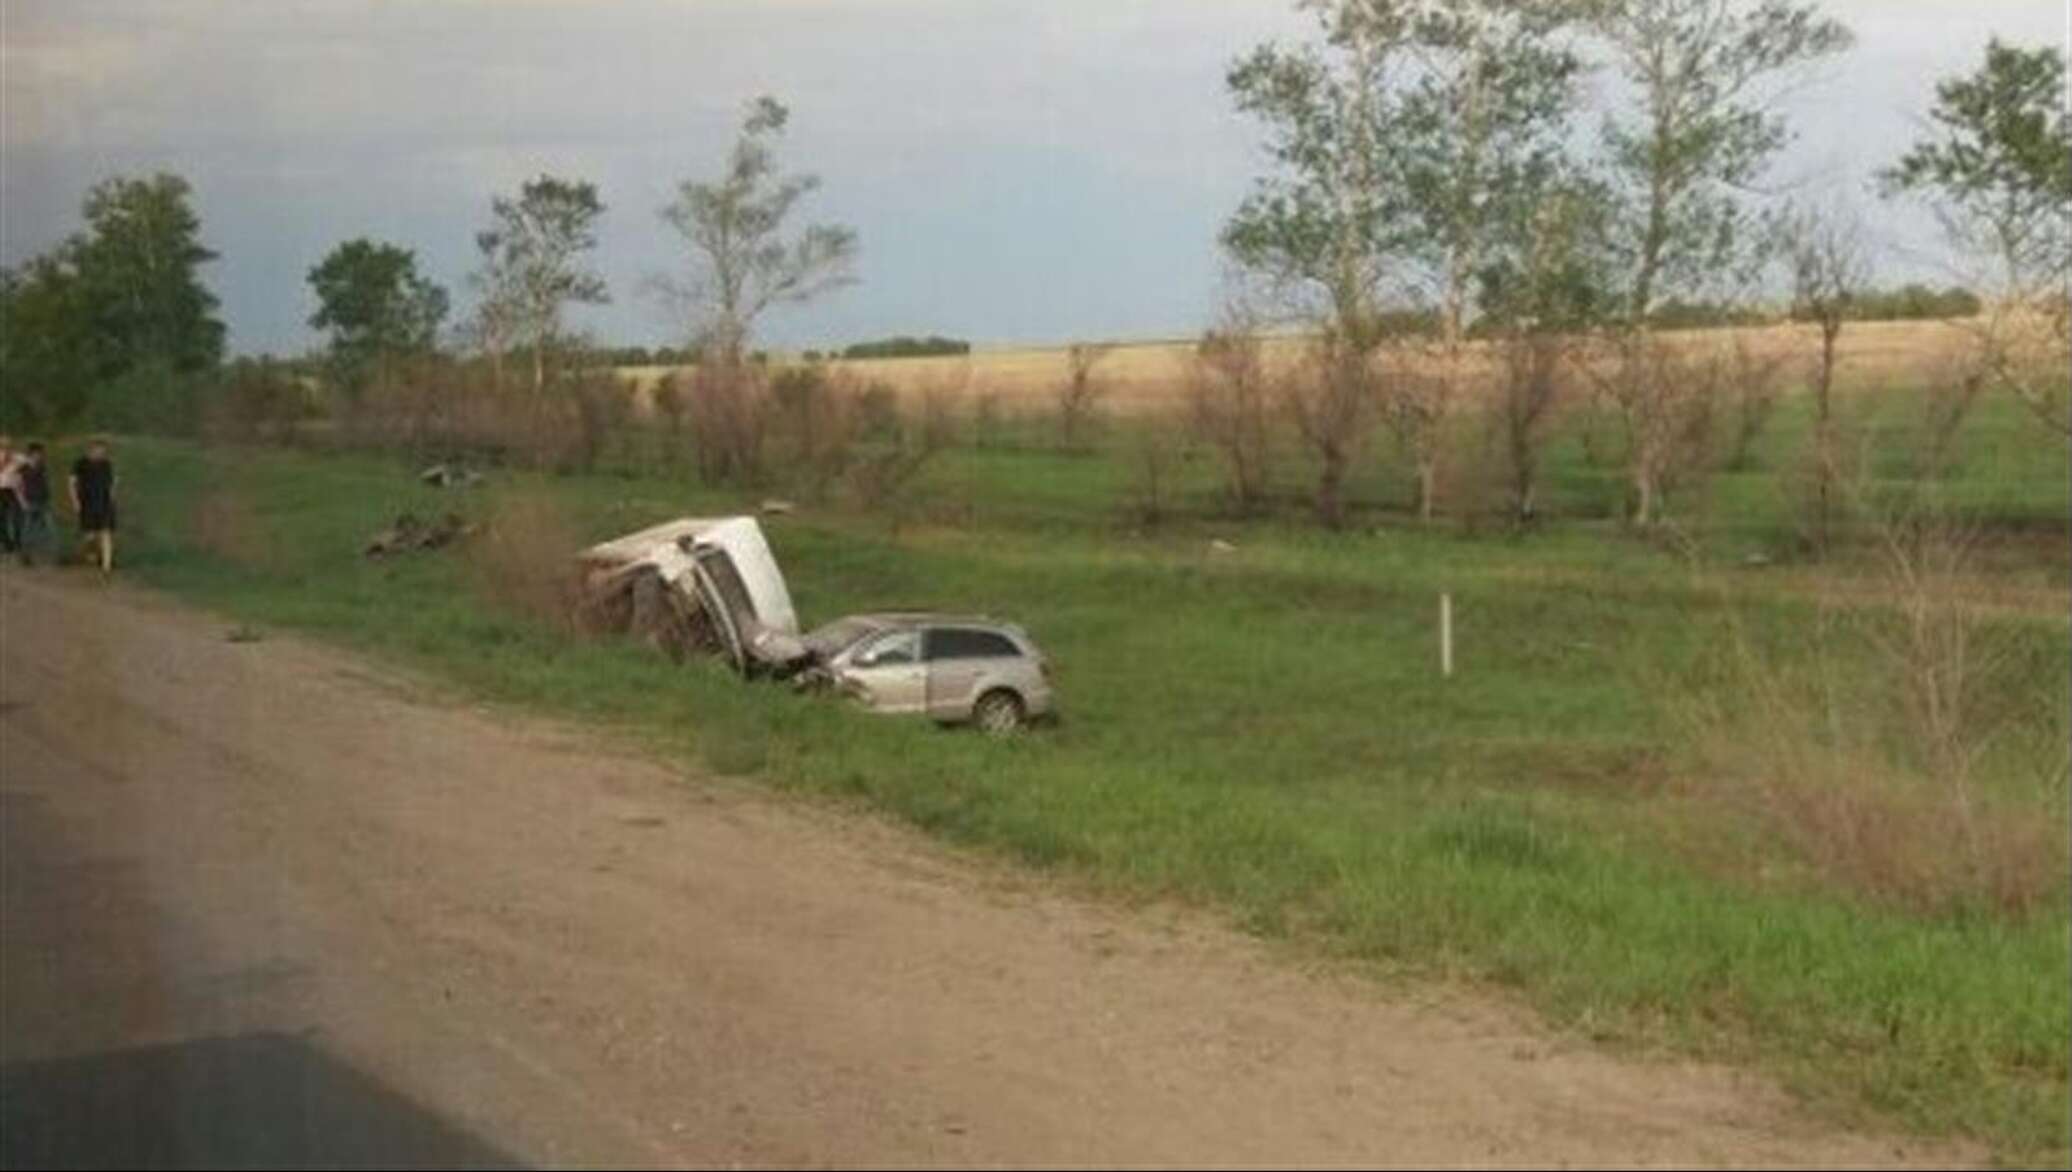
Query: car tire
{"x": 998, "y": 713}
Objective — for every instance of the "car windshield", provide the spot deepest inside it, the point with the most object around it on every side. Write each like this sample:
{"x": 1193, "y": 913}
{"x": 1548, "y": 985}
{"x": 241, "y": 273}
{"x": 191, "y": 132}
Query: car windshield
{"x": 838, "y": 636}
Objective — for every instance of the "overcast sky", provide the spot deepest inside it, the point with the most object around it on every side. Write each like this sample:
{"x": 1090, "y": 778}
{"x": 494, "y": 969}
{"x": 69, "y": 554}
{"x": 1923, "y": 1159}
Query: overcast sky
{"x": 1018, "y": 170}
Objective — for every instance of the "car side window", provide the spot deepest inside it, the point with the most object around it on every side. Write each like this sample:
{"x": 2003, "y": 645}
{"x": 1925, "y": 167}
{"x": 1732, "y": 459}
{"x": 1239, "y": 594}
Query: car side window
{"x": 895, "y": 648}
{"x": 962, "y": 643}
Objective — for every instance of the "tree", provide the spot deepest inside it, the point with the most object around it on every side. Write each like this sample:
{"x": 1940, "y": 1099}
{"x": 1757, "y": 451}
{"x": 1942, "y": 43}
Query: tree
{"x": 742, "y": 262}
{"x": 1702, "y": 131}
{"x": 1998, "y": 170}
{"x": 1539, "y": 299}
{"x": 1324, "y": 228}
{"x": 1080, "y": 395}
{"x": 47, "y": 357}
{"x": 119, "y": 307}
{"x": 376, "y": 307}
{"x": 1475, "y": 144}
{"x": 137, "y": 270}
{"x": 1230, "y": 400}
{"x": 532, "y": 266}
{"x": 1829, "y": 266}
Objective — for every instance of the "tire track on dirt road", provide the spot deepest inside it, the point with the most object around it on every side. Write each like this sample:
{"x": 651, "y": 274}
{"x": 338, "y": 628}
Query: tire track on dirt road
{"x": 570, "y": 953}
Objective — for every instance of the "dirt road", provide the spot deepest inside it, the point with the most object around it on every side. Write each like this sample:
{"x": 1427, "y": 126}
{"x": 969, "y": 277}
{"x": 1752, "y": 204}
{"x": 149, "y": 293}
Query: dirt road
{"x": 263, "y": 901}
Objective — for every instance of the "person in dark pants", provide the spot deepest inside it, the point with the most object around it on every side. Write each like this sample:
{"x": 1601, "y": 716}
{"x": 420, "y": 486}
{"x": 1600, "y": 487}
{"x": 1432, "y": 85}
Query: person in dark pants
{"x": 10, "y": 496}
{"x": 93, "y": 496}
{"x": 33, "y": 488}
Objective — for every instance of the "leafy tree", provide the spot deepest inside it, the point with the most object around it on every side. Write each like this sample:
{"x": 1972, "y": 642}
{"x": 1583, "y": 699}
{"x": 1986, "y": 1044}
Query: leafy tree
{"x": 1410, "y": 144}
{"x": 1475, "y": 145}
{"x": 47, "y": 358}
{"x": 376, "y": 307}
{"x": 1998, "y": 168}
{"x": 116, "y": 317}
{"x": 136, "y": 266}
{"x": 1326, "y": 227}
{"x": 1700, "y": 132}
{"x": 532, "y": 267}
{"x": 743, "y": 264}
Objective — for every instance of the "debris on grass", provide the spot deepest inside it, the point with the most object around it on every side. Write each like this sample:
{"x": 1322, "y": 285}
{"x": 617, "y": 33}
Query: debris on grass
{"x": 450, "y": 476}
{"x": 408, "y": 533}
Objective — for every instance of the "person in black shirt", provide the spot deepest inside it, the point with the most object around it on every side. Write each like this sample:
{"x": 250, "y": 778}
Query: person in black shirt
{"x": 32, "y": 486}
{"x": 93, "y": 496}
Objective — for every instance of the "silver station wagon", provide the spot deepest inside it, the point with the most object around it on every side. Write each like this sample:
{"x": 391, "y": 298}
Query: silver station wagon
{"x": 951, "y": 668}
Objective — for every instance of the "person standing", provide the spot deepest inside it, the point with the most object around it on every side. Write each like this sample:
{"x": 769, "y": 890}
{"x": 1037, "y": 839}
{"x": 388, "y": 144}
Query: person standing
{"x": 10, "y": 496}
{"x": 34, "y": 490}
{"x": 93, "y": 496}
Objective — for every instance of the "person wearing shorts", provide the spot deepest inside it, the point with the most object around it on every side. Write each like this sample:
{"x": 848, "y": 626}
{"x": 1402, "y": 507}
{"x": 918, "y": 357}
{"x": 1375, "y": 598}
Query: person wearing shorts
{"x": 93, "y": 496}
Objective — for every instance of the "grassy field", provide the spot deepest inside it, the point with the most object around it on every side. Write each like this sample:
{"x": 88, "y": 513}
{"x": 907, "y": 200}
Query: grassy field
{"x": 1574, "y": 817}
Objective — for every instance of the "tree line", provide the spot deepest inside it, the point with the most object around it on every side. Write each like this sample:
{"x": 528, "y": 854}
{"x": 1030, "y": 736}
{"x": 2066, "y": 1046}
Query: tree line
{"x": 1426, "y": 161}
{"x": 1428, "y": 188}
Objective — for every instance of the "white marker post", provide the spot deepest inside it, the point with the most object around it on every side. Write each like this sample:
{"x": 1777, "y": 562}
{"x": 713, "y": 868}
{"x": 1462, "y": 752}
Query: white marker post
{"x": 1446, "y": 636}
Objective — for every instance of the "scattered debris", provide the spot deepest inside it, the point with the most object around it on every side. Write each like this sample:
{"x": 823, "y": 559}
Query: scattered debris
{"x": 778, "y": 507}
{"x": 409, "y": 533}
{"x": 450, "y": 476}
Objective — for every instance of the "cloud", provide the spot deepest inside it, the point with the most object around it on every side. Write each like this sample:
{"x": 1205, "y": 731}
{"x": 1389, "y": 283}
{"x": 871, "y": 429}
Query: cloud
{"x": 1017, "y": 168}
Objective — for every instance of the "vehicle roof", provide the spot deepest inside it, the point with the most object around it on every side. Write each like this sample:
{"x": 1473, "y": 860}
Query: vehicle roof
{"x": 902, "y": 619}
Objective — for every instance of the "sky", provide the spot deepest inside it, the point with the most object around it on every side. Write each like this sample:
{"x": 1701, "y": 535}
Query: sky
{"x": 1017, "y": 170}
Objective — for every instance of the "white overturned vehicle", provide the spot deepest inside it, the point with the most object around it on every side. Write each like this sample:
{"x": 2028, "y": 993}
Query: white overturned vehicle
{"x": 696, "y": 585}
{"x": 711, "y": 586}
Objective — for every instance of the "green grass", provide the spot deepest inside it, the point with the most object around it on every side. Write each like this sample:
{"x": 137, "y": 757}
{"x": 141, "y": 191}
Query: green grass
{"x": 1264, "y": 732}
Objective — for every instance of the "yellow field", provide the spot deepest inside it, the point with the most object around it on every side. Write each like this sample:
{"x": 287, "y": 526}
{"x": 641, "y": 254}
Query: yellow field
{"x": 1150, "y": 377}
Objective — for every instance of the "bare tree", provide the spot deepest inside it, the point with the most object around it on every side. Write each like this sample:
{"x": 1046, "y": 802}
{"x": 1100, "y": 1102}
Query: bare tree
{"x": 1756, "y": 376}
{"x": 1080, "y": 395}
{"x": 1529, "y": 389}
{"x": 1332, "y": 404}
{"x": 1830, "y": 265}
{"x": 1667, "y": 397}
{"x": 1158, "y": 446}
{"x": 1231, "y": 403}
{"x": 886, "y": 478}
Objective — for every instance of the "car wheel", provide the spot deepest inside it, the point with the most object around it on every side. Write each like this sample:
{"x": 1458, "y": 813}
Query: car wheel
{"x": 998, "y": 713}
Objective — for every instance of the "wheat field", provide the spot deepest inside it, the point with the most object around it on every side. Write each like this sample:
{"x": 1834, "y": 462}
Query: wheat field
{"x": 1152, "y": 377}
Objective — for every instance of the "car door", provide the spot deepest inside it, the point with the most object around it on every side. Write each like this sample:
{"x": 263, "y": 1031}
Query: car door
{"x": 887, "y": 673}
{"x": 960, "y": 661}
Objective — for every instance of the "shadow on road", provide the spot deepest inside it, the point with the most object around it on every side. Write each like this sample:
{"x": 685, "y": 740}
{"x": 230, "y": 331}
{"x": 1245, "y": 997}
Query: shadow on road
{"x": 261, "y": 1100}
